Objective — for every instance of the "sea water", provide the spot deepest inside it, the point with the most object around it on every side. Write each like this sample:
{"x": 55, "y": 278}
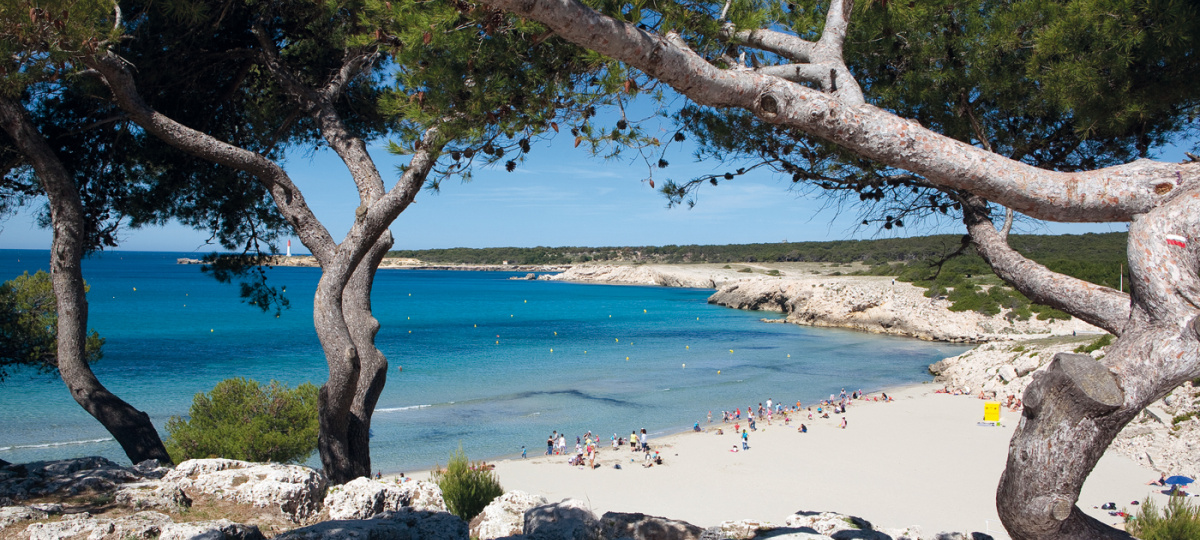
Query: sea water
{"x": 476, "y": 359}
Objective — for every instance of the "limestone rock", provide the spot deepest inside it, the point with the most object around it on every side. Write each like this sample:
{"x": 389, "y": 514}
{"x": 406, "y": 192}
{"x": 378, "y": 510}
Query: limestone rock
{"x": 162, "y": 495}
{"x": 362, "y": 498}
{"x": 505, "y": 515}
{"x": 10, "y": 515}
{"x": 151, "y": 468}
{"x": 835, "y": 525}
{"x": 63, "y": 477}
{"x": 423, "y": 495}
{"x": 1007, "y": 373}
{"x": 294, "y": 490}
{"x": 403, "y": 525}
{"x": 1026, "y": 365}
{"x": 570, "y": 519}
{"x": 961, "y": 536}
{"x": 140, "y": 525}
{"x": 737, "y": 530}
{"x": 643, "y": 527}
{"x": 221, "y": 529}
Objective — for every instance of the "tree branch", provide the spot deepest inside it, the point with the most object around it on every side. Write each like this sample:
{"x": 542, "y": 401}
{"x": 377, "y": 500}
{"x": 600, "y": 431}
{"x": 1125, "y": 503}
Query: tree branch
{"x": 785, "y": 45}
{"x": 1096, "y": 305}
{"x": 802, "y": 73}
{"x": 1111, "y": 194}
{"x": 287, "y": 196}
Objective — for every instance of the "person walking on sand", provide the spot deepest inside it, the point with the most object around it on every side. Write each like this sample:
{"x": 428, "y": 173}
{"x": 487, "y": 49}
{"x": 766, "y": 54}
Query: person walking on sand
{"x": 562, "y": 444}
{"x": 745, "y": 440}
{"x": 550, "y": 445}
{"x": 633, "y": 441}
{"x": 523, "y": 455}
{"x": 843, "y": 422}
{"x": 710, "y": 417}
{"x": 645, "y": 440}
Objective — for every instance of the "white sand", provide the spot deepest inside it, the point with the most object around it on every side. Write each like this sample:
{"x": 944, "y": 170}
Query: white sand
{"x": 921, "y": 460}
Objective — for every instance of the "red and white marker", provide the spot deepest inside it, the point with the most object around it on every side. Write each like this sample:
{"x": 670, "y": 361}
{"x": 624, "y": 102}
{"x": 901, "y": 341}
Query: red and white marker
{"x": 1176, "y": 240}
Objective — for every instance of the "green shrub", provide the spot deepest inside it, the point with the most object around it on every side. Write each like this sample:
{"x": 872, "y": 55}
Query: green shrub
{"x": 1179, "y": 521}
{"x": 1104, "y": 341}
{"x": 746, "y": 270}
{"x": 467, "y": 489}
{"x": 240, "y": 419}
{"x": 772, "y": 272}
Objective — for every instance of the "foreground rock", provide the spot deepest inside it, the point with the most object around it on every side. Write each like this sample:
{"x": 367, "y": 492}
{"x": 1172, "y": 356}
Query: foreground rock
{"x": 362, "y": 498}
{"x": 505, "y": 516}
{"x": 403, "y": 525}
{"x": 294, "y": 490}
{"x": 70, "y": 477}
{"x": 140, "y": 525}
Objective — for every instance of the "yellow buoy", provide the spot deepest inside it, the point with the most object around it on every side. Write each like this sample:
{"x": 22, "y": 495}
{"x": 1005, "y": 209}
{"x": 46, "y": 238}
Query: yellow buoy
{"x": 477, "y": 326}
{"x": 410, "y": 331}
{"x": 618, "y": 339}
{"x": 685, "y": 365}
{"x": 551, "y": 350}
{"x": 410, "y": 318}
{"x": 510, "y": 315}
{"x": 789, "y": 356}
{"x": 731, "y": 350}
{"x": 556, "y": 333}
{"x": 718, "y": 372}
{"x": 210, "y": 329}
{"x": 527, "y": 301}
{"x": 687, "y": 347}
{"x": 410, "y": 294}
{"x": 135, "y": 288}
{"x": 497, "y": 343}
{"x": 643, "y": 311}
{"x": 626, "y": 358}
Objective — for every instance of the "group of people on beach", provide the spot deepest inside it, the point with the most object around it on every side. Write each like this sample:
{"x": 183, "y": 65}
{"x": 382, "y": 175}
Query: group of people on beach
{"x": 587, "y": 447}
{"x": 1013, "y": 403}
{"x": 772, "y": 411}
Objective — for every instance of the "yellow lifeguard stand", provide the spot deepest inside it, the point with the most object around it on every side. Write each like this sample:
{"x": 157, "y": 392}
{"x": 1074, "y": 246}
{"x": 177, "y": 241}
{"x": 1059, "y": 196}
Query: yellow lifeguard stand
{"x": 991, "y": 412}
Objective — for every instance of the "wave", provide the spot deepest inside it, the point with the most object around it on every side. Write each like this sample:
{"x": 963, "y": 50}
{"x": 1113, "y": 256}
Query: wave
{"x": 53, "y": 444}
{"x": 397, "y": 409}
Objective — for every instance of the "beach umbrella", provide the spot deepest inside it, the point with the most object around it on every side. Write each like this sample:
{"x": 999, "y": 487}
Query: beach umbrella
{"x": 1179, "y": 480}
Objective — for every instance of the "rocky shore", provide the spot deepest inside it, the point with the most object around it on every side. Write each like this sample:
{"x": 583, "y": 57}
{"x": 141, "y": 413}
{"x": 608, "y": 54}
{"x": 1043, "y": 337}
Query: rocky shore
{"x": 866, "y": 303}
{"x": 218, "y": 499}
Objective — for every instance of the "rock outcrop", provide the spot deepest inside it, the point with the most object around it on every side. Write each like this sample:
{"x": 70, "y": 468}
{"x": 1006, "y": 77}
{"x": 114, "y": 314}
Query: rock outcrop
{"x": 403, "y": 525}
{"x": 64, "y": 477}
{"x": 504, "y": 516}
{"x": 294, "y": 490}
{"x": 883, "y": 306}
{"x": 362, "y": 498}
{"x": 866, "y": 303}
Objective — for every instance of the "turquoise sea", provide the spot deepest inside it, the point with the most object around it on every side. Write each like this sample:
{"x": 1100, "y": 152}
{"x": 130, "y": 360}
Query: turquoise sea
{"x": 489, "y": 363}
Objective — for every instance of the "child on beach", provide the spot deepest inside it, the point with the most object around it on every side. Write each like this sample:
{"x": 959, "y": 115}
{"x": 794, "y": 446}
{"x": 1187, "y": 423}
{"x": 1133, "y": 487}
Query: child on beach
{"x": 745, "y": 440}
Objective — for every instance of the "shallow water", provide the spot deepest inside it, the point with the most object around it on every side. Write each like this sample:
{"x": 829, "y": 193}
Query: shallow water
{"x": 488, "y": 363}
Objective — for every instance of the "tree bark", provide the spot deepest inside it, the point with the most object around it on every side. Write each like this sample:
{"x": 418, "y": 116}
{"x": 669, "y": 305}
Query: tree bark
{"x": 130, "y": 427}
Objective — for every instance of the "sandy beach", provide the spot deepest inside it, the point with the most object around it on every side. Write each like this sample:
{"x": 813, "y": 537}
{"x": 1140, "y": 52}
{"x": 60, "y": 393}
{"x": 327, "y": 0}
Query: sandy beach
{"x": 922, "y": 460}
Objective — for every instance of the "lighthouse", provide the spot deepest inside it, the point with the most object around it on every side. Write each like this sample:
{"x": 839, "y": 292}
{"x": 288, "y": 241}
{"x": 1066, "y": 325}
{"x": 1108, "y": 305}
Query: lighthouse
{"x": 289, "y": 249}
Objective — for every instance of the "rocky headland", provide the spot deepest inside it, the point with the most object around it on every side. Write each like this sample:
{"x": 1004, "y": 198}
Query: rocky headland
{"x": 222, "y": 499}
{"x": 866, "y": 303}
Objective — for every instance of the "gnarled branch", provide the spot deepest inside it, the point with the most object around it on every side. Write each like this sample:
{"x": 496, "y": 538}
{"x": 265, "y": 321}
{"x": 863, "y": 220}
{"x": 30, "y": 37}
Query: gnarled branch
{"x": 1096, "y": 305}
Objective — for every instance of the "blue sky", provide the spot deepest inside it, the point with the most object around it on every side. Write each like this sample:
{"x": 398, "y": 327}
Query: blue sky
{"x": 560, "y": 196}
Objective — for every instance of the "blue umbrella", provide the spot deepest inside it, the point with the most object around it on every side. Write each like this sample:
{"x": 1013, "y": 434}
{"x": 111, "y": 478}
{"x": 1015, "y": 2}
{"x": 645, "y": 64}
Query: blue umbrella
{"x": 1179, "y": 480}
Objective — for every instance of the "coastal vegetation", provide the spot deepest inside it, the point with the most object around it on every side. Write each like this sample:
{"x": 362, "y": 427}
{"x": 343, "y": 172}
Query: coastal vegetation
{"x": 29, "y": 325}
{"x": 1178, "y": 520}
{"x": 467, "y": 487}
{"x": 242, "y": 419}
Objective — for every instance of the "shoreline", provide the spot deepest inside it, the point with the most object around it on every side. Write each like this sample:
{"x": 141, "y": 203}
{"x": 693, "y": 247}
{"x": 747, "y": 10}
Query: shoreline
{"x": 921, "y": 460}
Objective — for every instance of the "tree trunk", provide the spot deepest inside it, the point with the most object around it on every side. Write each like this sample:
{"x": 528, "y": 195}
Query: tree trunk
{"x": 1075, "y": 409}
{"x": 130, "y": 427}
{"x": 373, "y": 366}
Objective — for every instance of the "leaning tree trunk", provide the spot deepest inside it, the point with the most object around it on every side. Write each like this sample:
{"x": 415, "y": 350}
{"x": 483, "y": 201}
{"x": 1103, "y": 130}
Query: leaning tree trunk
{"x": 130, "y": 427}
{"x": 1075, "y": 409}
{"x": 373, "y": 366}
